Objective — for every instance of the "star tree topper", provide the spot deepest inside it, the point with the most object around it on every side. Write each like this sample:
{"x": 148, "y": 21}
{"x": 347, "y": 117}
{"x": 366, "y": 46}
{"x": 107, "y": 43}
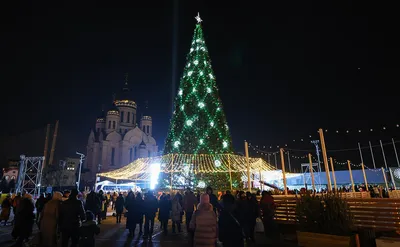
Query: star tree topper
{"x": 198, "y": 19}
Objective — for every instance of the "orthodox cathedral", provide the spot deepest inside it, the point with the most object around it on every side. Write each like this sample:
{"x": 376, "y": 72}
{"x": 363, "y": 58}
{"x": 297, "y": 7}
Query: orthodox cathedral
{"x": 117, "y": 139}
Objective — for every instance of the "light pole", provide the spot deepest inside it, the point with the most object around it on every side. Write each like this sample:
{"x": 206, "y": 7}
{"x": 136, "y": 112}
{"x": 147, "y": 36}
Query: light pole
{"x": 80, "y": 169}
{"x": 317, "y": 150}
{"x": 62, "y": 165}
{"x": 316, "y": 142}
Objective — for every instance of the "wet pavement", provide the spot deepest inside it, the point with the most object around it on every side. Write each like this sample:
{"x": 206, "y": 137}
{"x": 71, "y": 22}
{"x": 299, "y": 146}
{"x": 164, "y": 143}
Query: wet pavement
{"x": 116, "y": 235}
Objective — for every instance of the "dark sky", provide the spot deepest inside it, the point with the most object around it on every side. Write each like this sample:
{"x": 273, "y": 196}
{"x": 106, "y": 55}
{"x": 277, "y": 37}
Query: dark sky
{"x": 283, "y": 69}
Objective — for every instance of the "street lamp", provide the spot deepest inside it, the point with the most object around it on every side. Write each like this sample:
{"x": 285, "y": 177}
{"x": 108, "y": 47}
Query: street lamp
{"x": 80, "y": 169}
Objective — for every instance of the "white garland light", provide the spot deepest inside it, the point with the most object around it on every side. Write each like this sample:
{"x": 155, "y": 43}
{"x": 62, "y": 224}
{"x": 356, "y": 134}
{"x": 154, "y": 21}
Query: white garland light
{"x": 175, "y": 163}
{"x": 189, "y": 122}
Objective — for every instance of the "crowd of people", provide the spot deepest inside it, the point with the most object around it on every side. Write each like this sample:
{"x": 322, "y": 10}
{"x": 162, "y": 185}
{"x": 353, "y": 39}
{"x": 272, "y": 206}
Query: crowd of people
{"x": 71, "y": 218}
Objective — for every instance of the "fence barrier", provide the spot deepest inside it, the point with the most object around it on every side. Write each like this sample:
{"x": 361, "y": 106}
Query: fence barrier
{"x": 382, "y": 214}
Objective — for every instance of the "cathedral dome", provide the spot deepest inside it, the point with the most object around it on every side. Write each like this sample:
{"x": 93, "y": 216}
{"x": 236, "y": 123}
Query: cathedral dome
{"x": 101, "y": 118}
{"x": 113, "y": 111}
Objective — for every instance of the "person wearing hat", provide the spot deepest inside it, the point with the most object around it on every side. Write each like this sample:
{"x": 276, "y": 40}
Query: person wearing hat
{"x": 204, "y": 223}
{"x": 71, "y": 215}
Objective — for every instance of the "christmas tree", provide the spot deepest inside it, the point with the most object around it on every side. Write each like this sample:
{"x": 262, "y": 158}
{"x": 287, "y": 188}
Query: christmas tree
{"x": 198, "y": 124}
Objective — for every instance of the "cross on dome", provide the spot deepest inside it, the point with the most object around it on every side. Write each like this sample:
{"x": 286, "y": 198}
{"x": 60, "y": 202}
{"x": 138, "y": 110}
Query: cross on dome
{"x": 198, "y": 19}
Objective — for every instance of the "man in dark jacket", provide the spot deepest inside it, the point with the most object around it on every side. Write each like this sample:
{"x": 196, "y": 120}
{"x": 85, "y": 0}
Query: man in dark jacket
{"x": 119, "y": 207}
{"x": 151, "y": 207}
{"x": 71, "y": 215}
{"x": 213, "y": 199}
{"x": 93, "y": 204}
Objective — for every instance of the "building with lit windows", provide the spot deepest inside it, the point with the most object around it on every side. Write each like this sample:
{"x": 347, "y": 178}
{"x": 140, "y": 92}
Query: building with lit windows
{"x": 117, "y": 138}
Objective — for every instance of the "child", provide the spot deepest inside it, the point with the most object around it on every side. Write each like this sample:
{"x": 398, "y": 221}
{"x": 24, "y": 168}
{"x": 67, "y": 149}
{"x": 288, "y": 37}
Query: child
{"x": 87, "y": 231}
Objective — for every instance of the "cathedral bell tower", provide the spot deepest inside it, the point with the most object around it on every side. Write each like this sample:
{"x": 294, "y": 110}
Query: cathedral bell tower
{"x": 126, "y": 107}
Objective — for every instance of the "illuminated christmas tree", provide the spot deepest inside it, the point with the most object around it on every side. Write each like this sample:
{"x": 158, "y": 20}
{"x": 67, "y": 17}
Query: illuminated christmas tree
{"x": 198, "y": 124}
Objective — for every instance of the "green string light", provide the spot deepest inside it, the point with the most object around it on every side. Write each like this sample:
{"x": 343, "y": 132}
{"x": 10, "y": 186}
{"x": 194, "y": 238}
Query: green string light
{"x": 198, "y": 125}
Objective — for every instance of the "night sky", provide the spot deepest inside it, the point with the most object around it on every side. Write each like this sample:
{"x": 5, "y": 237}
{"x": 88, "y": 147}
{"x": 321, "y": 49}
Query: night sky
{"x": 283, "y": 70}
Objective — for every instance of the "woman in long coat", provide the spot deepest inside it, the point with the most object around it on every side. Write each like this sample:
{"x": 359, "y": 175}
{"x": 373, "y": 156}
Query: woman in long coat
{"x": 49, "y": 221}
{"x": 24, "y": 220}
{"x": 176, "y": 210}
{"x": 130, "y": 205}
{"x": 135, "y": 207}
{"x": 204, "y": 224}
{"x": 164, "y": 213}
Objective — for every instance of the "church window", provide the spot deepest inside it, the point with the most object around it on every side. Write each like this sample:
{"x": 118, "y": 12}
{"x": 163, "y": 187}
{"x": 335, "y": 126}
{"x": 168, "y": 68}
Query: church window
{"x": 130, "y": 154}
{"x": 109, "y": 124}
{"x": 133, "y": 118}
{"x": 98, "y": 129}
{"x": 128, "y": 118}
{"x": 148, "y": 129}
{"x": 135, "y": 153}
{"x": 122, "y": 116}
{"x": 113, "y": 124}
{"x": 144, "y": 128}
{"x": 112, "y": 156}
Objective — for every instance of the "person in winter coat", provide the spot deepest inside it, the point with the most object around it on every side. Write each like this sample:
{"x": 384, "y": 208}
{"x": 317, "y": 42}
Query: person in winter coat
{"x": 164, "y": 212}
{"x": 254, "y": 213}
{"x": 40, "y": 202}
{"x": 176, "y": 209}
{"x": 135, "y": 213}
{"x": 189, "y": 203}
{"x": 71, "y": 215}
{"x": 119, "y": 207}
{"x": 230, "y": 232}
{"x": 93, "y": 204}
{"x": 204, "y": 224}
{"x": 5, "y": 209}
{"x": 213, "y": 199}
{"x": 103, "y": 206}
{"x": 88, "y": 230}
{"x": 150, "y": 210}
{"x": 49, "y": 220}
{"x": 267, "y": 206}
{"x": 24, "y": 220}
{"x": 15, "y": 202}
{"x": 244, "y": 213}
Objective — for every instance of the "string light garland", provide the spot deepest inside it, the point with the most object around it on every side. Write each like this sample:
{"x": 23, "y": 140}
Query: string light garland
{"x": 264, "y": 152}
{"x": 263, "y": 148}
{"x": 177, "y": 163}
